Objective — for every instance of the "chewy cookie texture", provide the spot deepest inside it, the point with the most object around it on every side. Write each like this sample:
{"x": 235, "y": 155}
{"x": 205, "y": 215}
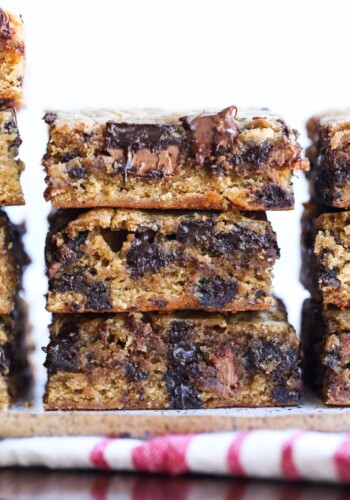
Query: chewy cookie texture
{"x": 329, "y": 156}
{"x": 326, "y": 255}
{"x": 12, "y": 261}
{"x": 108, "y": 260}
{"x": 326, "y": 347}
{"x": 10, "y": 166}
{"x": 12, "y": 59}
{"x": 147, "y": 159}
{"x": 15, "y": 374}
{"x": 172, "y": 360}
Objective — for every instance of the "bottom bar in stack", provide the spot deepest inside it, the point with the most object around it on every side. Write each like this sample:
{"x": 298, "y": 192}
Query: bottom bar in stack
{"x": 326, "y": 349}
{"x": 15, "y": 374}
{"x": 178, "y": 360}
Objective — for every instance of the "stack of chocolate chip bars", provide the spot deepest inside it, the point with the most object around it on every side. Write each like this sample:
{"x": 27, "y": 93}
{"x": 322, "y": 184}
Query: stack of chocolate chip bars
{"x": 14, "y": 345}
{"x": 326, "y": 259}
{"x": 156, "y": 307}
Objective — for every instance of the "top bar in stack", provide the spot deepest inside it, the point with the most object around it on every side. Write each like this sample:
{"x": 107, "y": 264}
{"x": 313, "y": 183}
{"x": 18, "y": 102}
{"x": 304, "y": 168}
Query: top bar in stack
{"x": 329, "y": 155}
{"x": 12, "y": 59}
{"x": 147, "y": 159}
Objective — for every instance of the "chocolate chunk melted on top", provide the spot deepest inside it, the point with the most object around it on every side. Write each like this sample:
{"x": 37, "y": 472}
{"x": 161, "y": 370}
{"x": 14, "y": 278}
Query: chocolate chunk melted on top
{"x": 145, "y": 150}
{"x": 213, "y": 133}
{"x": 5, "y": 29}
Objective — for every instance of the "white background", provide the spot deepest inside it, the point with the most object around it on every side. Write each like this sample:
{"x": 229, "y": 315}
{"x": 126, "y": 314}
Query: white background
{"x": 290, "y": 56}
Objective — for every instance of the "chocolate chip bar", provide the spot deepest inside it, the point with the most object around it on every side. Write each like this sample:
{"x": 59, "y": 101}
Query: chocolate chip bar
{"x": 326, "y": 348}
{"x": 230, "y": 159}
{"x": 15, "y": 346}
{"x": 12, "y": 261}
{"x": 172, "y": 360}
{"x": 10, "y": 166}
{"x": 326, "y": 255}
{"x": 329, "y": 156}
{"x": 108, "y": 260}
{"x": 12, "y": 59}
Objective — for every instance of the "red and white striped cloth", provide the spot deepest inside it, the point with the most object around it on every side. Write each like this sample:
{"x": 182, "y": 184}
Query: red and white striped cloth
{"x": 292, "y": 455}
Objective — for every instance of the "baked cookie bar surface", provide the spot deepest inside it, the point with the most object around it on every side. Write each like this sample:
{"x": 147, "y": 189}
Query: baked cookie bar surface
{"x": 12, "y": 261}
{"x": 326, "y": 255}
{"x": 148, "y": 159}
{"x": 128, "y": 260}
{"x": 173, "y": 360}
{"x": 12, "y": 59}
{"x": 326, "y": 351}
{"x": 10, "y": 166}
{"x": 15, "y": 346}
{"x": 329, "y": 156}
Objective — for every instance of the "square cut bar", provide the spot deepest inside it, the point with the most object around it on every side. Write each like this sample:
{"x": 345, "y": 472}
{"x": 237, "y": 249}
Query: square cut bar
{"x": 108, "y": 260}
{"x": 173, "y": 360}
{"x": 326, "y": 351}
{"x": 329, "y": 156}
{"x": 15, "y": 345}
{"x": 12, "y": 59}
{"x": 326, "y": 255}
{"x": 10, "y": 166}
{"x": 148, "y": 159}
{"x": 12, "y": 261}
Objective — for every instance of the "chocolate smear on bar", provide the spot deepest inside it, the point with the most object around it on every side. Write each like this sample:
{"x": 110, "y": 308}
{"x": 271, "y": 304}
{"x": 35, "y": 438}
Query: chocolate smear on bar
{"x": 212, "y": 133}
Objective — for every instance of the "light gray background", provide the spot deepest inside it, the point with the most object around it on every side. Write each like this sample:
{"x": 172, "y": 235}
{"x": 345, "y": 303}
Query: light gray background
{"x": 291, "y": 56}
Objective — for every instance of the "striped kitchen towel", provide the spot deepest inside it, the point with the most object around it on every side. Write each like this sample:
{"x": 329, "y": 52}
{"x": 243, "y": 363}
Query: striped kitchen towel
{"x": 291, "y": 455}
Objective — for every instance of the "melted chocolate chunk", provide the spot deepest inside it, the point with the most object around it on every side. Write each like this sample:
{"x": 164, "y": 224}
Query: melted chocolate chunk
{"x": 215, "y": 292}
{"x": 274, "y": 197}
{"x": 4, "y": 357}
{"x": 97, "y": 297}
{"x": 196, "y": 232}
{"x": 245, "y": 241}
{"x": 212, "y": 134}
{"x": 145, "y": 255}
{"x": 5, "y": 29}
{"x": 62, "y": 353}
{"x": 77, "y": 173}
{"x": 50, "y": 118}
{"x": 66, "y": 157}
{"x": 283, "y": 395}
{"x": 134, "y": 373}
{"x": 184, "y": 359}
{"x": 256, "y": 155}
{"x": 328, "y": 277}
{"x": 134, "y": 137}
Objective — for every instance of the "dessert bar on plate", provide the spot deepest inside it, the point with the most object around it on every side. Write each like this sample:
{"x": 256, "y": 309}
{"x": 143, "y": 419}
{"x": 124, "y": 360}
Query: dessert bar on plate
{"x": 10, "y": 166}
{"x": 15, "y": 346}
{"x": 12, "y": 59}
{"x": 202, "y": 160}
{"x": 326, "y": 348}
{"x": 329, "y": 156}
{"x": 177, "y": 360}
{"x": 108, "y": 260}
{"x": 326, "y": 254}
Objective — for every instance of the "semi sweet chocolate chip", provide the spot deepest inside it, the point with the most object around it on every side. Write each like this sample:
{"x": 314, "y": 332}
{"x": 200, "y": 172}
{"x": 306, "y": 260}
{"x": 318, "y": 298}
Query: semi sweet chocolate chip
{"x": 97, "y": 297}
{"x": 196, "y": 232}
{"x": 282, "y": 395}
{"x": 50, "y": 118}
{"x": 183, "y": 394}
{"x": 215, "y": 292}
